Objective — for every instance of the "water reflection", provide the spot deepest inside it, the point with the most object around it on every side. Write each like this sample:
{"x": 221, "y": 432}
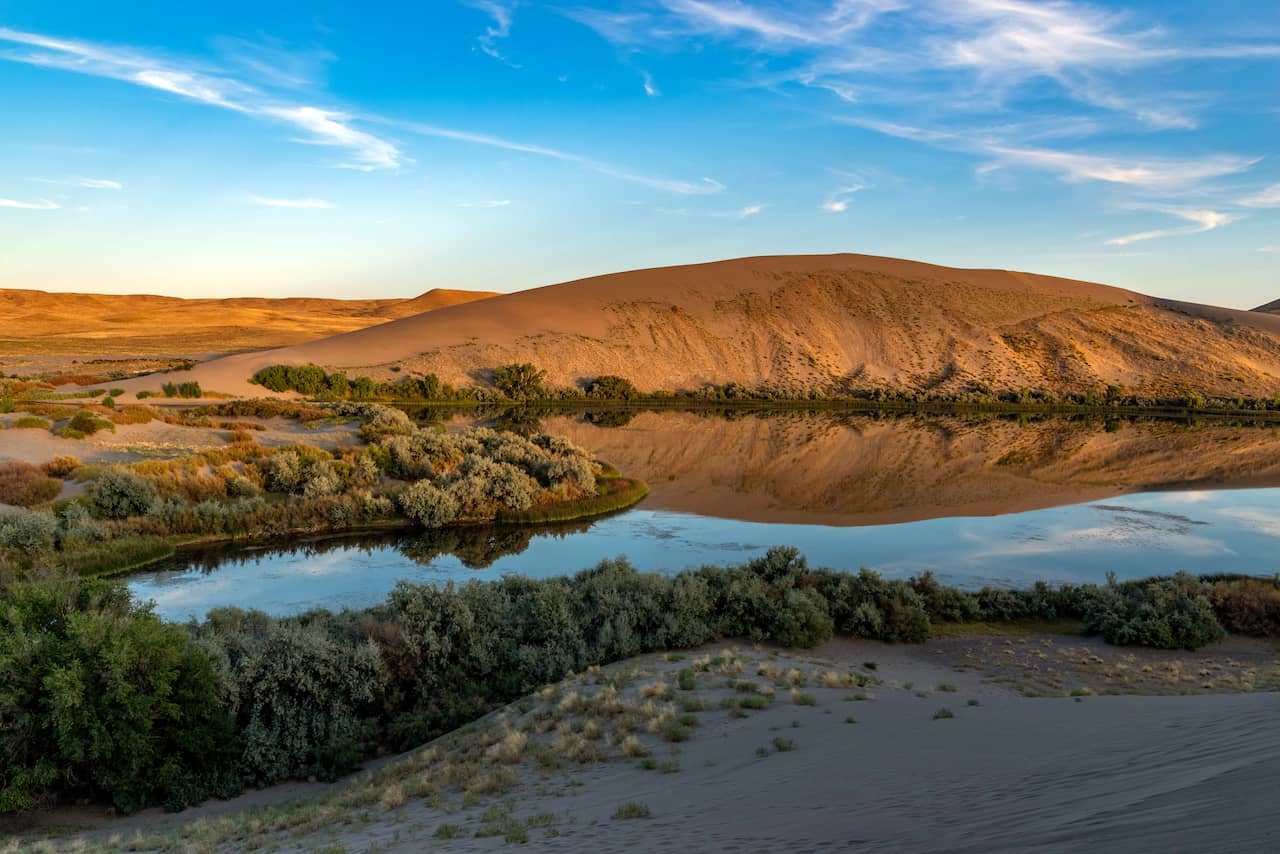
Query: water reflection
{"x": 978, "y": 501}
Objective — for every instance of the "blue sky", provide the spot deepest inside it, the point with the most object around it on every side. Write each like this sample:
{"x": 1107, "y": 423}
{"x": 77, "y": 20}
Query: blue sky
{"x": 381, "y": 149}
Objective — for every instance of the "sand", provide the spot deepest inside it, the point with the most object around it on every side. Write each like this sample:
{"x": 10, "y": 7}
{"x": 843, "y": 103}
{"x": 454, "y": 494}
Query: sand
{"x": 92, "y": 333}
{"x": 805, "y": 321}
{"x": 1007, "y": 773}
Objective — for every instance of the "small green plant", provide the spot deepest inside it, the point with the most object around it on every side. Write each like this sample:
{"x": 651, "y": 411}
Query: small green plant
{"x": 675, "y": 731}
{"x": 755, "y": 702}
{"x": 632, "y": 809}
{"x": 761, "y": 752}
{"x": 850, "y": 720}
{"x": 648, "y": 764}
{"x": 783, "y": 745}
{"x": 857, "y": 697}
{"x": 687, "y": 679}
{"x": 801, "y": 699}
{"x": 946, "y": 687}
{"x": 943, "y": 713}
{"x": 669, "y": 767}
{"x": 449, "y": 831}
{"x": 973, "y": 703}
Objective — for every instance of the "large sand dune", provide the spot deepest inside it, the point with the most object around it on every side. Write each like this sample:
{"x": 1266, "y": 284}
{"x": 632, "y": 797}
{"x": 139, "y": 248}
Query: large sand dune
{"x": 795, "y": 322}
{"x": 38, "y": 322}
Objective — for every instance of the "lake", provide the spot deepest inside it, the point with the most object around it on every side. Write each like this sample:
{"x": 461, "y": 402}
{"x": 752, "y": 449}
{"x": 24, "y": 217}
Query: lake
{"x": 998, "y": 501}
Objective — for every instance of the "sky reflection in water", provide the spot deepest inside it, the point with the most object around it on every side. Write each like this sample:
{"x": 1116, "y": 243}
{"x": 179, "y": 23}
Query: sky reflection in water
{"x": 1132, "y": 535}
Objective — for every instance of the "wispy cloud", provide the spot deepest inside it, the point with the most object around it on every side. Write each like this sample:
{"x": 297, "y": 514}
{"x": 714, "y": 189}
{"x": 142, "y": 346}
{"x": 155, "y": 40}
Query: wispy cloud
{"x": 322, "y": 126}
{"x": 650, "y": 88}
{"x": 1268, "y": 198}
{"x": 87, "y": 183}
{"x": 838, "y": 202}
{"x": 751, "y": 210}
{"x": 487, "y": 203}
{"x": 39, "y": 205}
{"x": 1201, "y": 221}
{"x": 705, "y": 186}
{"x": 502, "y": 14}
{"x": 1150, "y": 172}
{"x": 307, "y": 203}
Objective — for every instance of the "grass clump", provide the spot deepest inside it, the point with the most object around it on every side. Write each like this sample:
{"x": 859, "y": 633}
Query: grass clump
{"x": 687, "y": 679}
{"x": 31, "y": 422}
{"x": 943, "y": 713}
{"x": 632, "y": 809}
{"x": 783, "y": 745}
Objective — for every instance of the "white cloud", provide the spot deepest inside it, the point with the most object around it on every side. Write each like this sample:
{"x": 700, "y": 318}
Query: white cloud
{"x": 324, "y": 126}
{"x": 487, "y": 203}
{"x": 307, "y": 203}
{"x": 87, "y": 183}
{"x": 1273, "y": 248}
{"x": 41, "y": 205}
{"x": 650, "y": 88}
{"x": 750, "y": 210}
{"x": 838, "y": 202}
{"x": 327, "y": 127}
{"x": 1148, "y": 172}
{"x": 502, "y": 14}
{"x": 1201, "y": 221}
{"x": 1268, "y": 198}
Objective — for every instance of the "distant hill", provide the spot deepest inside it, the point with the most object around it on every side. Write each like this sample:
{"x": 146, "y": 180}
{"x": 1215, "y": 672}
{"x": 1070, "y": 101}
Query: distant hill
{"x": 1272, "y": 307}
{"x": 804, "y": 322}
{"x": 38, "y": 322}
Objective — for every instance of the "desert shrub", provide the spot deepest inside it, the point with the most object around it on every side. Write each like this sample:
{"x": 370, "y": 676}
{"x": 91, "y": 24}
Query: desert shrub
{"x": 302, "y": 697}
{"x": 945, "y": 604}
{"x": 308, "y": 379}
{"x": 25, "y": 485}
{"x": 116, "y": 392}
{"x": 28, "y": 532}
{"x": 867, "y": 605}
{"x": 1167, "y": 613}
{"x": 118, "y": 494}
{"x": 86, "y": 423}
{"x": 109, "y": 402}
{"x": 100, "y": 697}
{"x": 31, "y": 422}
{"x": 522, "y": 381}
{"x": 1248, "y": 606}
{"x": 429, "y": 505}
{"x": 61, "y": 466}
{"x": 610, "y": 387}
{"x": 387, "y": 422}
{"x": 772, "y": 597}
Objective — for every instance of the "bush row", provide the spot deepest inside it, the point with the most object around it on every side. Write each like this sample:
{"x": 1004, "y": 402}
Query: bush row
{"x": 102, "y": 699}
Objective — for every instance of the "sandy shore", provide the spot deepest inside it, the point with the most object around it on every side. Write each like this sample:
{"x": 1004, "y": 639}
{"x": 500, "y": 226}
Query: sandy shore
{"x": 832, "y": 765}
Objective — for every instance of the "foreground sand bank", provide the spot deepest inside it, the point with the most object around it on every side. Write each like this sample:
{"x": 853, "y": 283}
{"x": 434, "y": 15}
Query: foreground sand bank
{"x": 827, "y": 763}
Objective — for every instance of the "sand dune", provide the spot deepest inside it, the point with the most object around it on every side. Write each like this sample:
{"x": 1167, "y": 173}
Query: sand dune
{"x": 814, "y": 321}
{"x": 1272, "y": 307}
{"x": 38, "y": 322}
{"x": 864, "y": 471}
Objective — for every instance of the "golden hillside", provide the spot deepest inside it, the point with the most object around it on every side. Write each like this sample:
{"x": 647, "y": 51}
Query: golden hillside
{"x": 849, "y": 321}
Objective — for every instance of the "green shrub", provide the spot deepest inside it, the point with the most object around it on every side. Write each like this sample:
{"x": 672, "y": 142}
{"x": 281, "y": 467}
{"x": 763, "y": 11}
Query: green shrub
{"x": 428, "y": 505}
{"x": 610, "y": 387}
{"x": 1165, "y": 613}
{"x": 101, "y": 696}
{"x": 119, "y": 494}
{"x": 30, "y": 422}
{"x": 86, "y": 423}
{"x": 522, "y": 381}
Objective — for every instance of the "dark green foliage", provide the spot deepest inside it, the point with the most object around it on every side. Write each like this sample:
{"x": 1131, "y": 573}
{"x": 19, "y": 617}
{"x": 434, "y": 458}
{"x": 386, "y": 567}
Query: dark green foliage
{"x": 185, "y": 390}
{"x": 610, "y": 387}
{"x": 86, "y": 423}
{"x": 1168, "y": 613}
{"x": 522, "y": 381}
{"x": 101, "y": 697}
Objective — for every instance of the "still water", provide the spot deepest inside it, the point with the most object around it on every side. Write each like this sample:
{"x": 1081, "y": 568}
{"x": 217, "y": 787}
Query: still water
{"x": 993, "y": 501}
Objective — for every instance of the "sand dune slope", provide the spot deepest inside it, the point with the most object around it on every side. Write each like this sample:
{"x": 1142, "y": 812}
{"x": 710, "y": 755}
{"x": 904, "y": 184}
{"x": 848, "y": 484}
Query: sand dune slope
{"x": 794, "y": 322}
{"x": 38, "y": 322}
